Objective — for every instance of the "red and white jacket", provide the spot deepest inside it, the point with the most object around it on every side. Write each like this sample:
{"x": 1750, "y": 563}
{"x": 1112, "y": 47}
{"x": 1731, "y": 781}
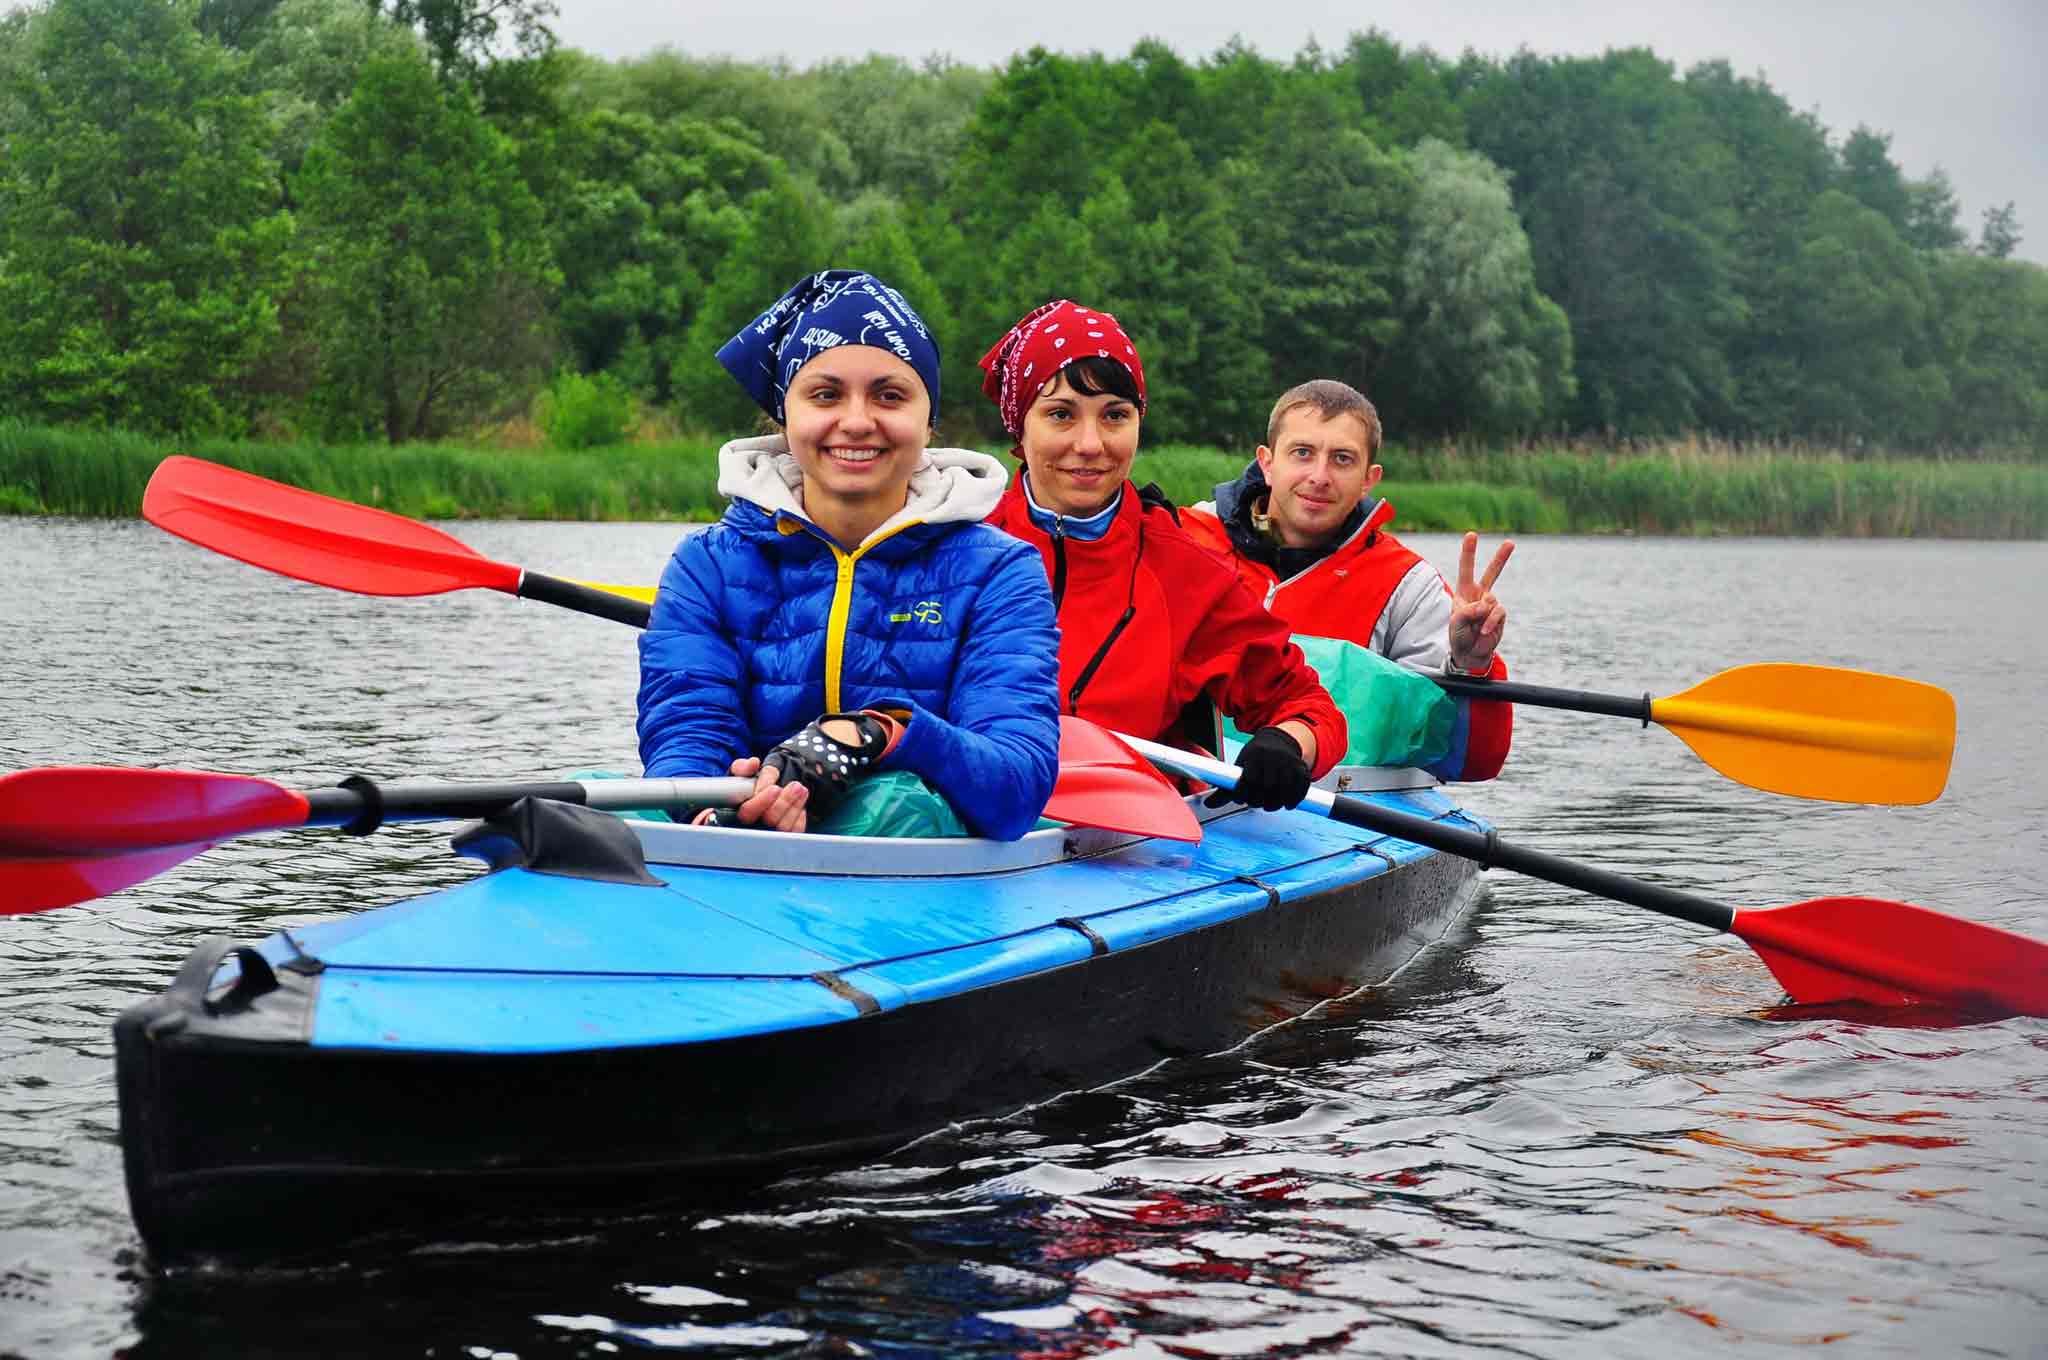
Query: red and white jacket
{"x": 1372, "y": 590}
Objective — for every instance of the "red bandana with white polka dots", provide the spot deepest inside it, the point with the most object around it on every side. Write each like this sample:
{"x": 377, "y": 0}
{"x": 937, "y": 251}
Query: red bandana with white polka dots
{"x": 1044, "y": 342}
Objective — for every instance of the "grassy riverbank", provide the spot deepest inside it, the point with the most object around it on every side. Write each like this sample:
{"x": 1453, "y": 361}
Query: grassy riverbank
{"x": 1681, "y": 488}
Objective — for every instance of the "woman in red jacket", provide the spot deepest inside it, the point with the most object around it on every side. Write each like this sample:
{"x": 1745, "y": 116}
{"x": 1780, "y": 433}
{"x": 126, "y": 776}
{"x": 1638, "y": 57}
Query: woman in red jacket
{"x": 1149, "y": 619}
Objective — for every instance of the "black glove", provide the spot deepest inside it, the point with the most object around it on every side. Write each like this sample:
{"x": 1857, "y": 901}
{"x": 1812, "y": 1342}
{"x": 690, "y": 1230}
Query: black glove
{"x": 1271, "y": 773}
{"x": 825, "y": 765}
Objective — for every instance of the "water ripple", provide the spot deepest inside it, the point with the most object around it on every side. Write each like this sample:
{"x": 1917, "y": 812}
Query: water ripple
{"x": 1574, "y": 1128}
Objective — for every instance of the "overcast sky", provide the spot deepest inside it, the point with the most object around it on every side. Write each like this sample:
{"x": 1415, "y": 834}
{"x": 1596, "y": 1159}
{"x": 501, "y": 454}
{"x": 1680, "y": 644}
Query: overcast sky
{"x": 1961, "y": 85}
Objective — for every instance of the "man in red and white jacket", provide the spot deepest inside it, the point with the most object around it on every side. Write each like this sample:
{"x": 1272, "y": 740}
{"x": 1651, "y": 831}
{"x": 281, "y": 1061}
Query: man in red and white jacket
{"x": 1307, "y": 536}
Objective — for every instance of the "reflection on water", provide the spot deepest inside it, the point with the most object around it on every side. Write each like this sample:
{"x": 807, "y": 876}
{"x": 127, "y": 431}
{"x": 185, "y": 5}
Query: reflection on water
{"x": 1574, "y": 1128}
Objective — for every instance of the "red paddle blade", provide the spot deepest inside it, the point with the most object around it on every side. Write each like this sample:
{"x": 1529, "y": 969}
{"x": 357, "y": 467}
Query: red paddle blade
{"x": 311, "y": 537}
{"x": 70, "y": 833}
{"x": 28, "y": 885}
{"x": 1104, "y": 783}
{"x": 84, "y": 810}
{"x": 1895, "y": 954}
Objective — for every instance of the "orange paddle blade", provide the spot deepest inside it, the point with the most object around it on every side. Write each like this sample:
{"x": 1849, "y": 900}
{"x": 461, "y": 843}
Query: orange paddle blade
{"x": 1865, "y": 949}
{"x": 1819, "y": 731}
{"x": 1104, "y": 783}
{"x": 311, "y": 537}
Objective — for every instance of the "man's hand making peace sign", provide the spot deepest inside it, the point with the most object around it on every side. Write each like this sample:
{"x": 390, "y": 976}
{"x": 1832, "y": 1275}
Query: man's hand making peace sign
{"x": 1477, "y": 618}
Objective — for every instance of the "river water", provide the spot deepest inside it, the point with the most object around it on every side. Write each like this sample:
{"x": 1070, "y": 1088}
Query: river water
{"x": 1575, "y": 1128}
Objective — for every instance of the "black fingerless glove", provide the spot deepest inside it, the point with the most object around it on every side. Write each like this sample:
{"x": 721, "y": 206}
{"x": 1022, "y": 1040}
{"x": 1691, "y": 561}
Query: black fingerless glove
{"x": 1271, "y": 773}
{"x": 825, "y": 765}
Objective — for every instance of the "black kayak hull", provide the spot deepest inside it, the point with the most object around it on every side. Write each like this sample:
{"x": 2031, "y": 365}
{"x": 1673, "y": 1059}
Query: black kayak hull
{"x": 241, "y": 1135}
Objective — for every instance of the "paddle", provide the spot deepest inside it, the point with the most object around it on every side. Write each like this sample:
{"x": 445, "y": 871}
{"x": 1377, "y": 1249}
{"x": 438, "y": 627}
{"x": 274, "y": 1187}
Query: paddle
{"x": 1830, "y": 949}
{"x": 1807, "y": 731}
{"x": 329, "y": 542}
{"x": 1810, "y": 731}
{"x": 71, "y": 833}
{"x": 1103, "y": 784}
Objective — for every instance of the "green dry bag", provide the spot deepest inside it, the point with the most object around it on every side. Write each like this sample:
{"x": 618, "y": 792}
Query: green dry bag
{"x": 1397, "y": 716}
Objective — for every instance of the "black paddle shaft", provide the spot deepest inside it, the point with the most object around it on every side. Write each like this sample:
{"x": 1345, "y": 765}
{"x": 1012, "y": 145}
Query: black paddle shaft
{"x": 1541, "y": 696}
{"x": 1489, "y": 850}
{"x": 360, "y": 806}
{"x": 583, "y": 599}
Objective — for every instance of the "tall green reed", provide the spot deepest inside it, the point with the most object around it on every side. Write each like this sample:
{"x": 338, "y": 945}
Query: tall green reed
{"x": 1686, "y": 487}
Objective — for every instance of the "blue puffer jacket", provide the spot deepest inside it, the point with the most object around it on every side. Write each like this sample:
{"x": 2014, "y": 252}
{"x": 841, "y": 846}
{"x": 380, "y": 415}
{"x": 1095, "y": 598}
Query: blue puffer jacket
{"x": 762, "y": 623}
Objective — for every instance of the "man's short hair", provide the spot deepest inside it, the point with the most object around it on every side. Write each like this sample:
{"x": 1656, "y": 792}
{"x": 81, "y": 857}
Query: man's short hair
{"x": 1330, "y": 399}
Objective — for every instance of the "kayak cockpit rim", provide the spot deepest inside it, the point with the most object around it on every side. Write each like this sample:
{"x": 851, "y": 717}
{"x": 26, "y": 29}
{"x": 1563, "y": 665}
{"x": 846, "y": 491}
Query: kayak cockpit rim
{"x": 779, "y": 852}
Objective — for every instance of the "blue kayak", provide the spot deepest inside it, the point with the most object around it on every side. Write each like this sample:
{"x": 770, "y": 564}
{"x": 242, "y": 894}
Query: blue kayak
{"x": 618, "y": 1010}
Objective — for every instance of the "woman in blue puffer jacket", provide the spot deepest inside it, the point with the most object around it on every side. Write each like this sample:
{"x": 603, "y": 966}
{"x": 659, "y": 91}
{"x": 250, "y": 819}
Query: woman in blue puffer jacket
{"x": 850, "y": 611}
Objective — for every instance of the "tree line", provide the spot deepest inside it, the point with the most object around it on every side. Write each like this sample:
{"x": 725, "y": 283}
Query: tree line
{"x": 401, "y": 219}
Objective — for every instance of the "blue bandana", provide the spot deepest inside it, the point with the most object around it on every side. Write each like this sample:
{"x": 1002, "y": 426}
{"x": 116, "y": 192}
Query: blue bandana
{"x": 828, "y": 309}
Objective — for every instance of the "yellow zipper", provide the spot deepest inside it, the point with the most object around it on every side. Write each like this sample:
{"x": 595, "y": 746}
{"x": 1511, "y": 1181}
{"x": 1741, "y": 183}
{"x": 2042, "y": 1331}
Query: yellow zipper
{"x": 842, "y": 605}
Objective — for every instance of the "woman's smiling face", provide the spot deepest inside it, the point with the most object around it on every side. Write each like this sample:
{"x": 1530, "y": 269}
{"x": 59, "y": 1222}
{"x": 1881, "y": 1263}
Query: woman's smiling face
{"x": 1078, "y": 447}
{"x": 858, "y": 419}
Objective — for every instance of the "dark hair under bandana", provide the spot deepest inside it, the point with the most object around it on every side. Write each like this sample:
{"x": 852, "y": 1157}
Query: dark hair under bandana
{"x": 823, "y": 311}
{"x": 1043, "y": 342}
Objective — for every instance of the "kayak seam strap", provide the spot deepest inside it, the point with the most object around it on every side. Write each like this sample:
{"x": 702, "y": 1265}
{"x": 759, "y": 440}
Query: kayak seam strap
{"x": 1097, "y": 946}
{"x": 1383, "y": 856}
{"x": 1272, "y": 893}
{"x": 846, "y": 991}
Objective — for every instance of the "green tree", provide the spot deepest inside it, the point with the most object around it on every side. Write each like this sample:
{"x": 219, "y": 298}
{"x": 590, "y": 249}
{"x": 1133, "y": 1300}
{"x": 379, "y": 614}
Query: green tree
{"x": 901, "y": 126}
{"x": 233, "y": 23}
{"x": 1052, "y": 254}
{"x": 1482, "y": 350}
{"x": 140, "y": 228}
{"x": 1404, "y": 94}
{"x": 2001, "y": 234}
{"x": 308, "y": 56}
{"x": 466, "y": 36}
{"x": 1036, "y": 139}
{"x": 504, "y": 50}
{"x": 1870, "y": 176}
{"x": 1776, "y": 162}
{"x": 1933, "y": 218}
{"x": 428, "y": 270}
{"x": 1992, "y": 314}
{"x": 641, "y": 214}
{"x": 783, "y": 238}
{"x": 1624, "y": 192}
{"x": 16, "y": 37}
{"x": 1318, "y": 207}
{"x": 1176, "y": 278}
{"x": 1238, "y": 86}
{"x": 771, "y": 105}
{"x": 1862, "y": 347}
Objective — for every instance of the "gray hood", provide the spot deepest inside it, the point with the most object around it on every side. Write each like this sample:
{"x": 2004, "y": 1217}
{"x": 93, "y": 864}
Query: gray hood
{"x": 950, "y": 485}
